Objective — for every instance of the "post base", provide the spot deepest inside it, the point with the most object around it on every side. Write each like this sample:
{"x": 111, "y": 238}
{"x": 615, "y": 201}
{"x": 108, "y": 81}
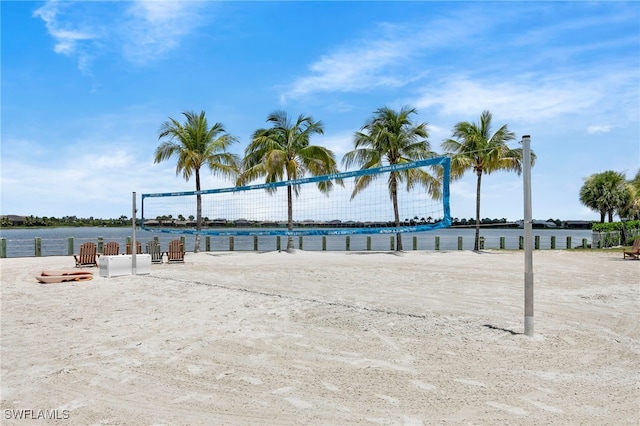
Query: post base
{"x": 528, "y": 326}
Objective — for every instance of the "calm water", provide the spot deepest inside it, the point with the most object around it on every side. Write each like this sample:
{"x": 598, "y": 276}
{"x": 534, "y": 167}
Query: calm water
{"x": 21, "y": 242}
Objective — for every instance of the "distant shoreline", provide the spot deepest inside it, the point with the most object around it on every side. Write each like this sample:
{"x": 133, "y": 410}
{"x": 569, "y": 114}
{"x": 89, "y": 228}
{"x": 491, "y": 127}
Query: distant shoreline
{"x": 56, "y": 241}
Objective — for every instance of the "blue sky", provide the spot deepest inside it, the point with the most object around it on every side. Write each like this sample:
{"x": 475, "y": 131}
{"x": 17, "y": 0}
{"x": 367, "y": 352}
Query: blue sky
{"x": 86, "y": 86}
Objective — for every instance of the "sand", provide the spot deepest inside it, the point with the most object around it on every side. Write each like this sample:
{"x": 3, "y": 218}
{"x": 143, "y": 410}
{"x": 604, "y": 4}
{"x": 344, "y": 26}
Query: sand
{"x": 326, "y": 338}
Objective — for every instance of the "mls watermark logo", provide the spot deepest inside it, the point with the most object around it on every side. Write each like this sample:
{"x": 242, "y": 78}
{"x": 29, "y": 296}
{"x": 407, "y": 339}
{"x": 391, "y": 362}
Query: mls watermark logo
{"x": 36, "y": 414}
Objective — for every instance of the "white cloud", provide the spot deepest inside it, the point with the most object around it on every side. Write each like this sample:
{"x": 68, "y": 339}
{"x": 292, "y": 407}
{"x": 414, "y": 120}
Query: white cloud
{"x": 530, "y": 98}
{"x": 385, "y": 61}
{"x": 145, "y": 31}
{"x": 152, "y": 28}
{"x": 602, "y": 128}
{"x": 494, "y": 83}
{"x": 437, "y": 134}
{"x": 514, "y": 99}
{"x": 339, "y": 143}
{"x": 349, "y": 70}
{"x": 66, "y": 35}
{"x": 85, "y": 184}
{"x": 94, "y": 174}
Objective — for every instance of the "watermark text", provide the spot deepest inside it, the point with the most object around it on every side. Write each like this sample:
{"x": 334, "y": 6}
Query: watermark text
{"x": 35, "y": 414}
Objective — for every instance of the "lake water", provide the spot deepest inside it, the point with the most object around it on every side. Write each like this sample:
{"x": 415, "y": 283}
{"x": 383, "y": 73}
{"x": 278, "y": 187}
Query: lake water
{"x": 54, "y": 241}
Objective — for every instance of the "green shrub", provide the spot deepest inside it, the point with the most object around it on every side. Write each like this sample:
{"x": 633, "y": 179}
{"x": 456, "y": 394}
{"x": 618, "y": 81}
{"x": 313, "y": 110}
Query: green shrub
{"x": 606, "y": 227}
{"x": 632, "y": 224}
{"x": 615, "y": 226}
{"x": 616, "y": 233}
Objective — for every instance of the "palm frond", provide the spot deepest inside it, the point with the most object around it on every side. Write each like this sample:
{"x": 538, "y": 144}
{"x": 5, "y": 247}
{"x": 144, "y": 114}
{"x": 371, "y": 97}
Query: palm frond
{"x": 391, "y": 135}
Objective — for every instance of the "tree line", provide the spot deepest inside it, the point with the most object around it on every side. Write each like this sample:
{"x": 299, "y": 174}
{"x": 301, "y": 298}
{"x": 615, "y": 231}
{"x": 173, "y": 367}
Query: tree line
{"x": 44, "y": 221}
{"x": 283, "y": 151}
{"x": 74, "y": 221}
{"x": 610, "y": 193}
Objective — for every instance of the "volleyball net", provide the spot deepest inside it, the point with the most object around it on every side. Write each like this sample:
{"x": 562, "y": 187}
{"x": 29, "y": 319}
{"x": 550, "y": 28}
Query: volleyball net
{"x": 262, "y": 209}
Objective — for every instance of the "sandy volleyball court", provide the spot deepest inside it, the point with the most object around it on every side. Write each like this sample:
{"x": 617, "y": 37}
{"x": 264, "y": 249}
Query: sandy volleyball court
{"x": 326, "y": 338}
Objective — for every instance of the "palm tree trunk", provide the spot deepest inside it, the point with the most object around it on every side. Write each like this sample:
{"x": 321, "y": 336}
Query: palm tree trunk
{"x": 289, "y": 217}
{"x": 396, "y": 214}
{"x": 476, "y": 243}
{"x": 198, "y": 212}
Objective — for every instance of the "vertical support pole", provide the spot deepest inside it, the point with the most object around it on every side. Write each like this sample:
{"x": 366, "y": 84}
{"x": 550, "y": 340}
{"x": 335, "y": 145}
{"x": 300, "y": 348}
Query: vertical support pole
{"x": 134, "y": 246}
{"x": 392, "y": 243}
{"x": 324, "y": 243}
{"x": 553, "y": 242}
{"x": 255, "y": 243}
{"x": 100, "y": 245}
{"x": 520, "y": 242}
{"x": 347, "y": 243}
{"x": 231, "y": 243}
{"x": 3, "y": 248}
{"x": 528, "y": 225}
{"x": 459, "y": 243}
{"x": 569, "y": 242}
{"x": 300, "y": 244}
{"x": 368, "y": 243}
{"x": 536, "y": 243}
{"x": 207, "y": 243}
{"x": 502, "y": 243}
{"x": 70, "y": 246}
{"x": 38, "y": 246}
{"x": 278, "y": 242}
{"x": 438, "y": 242}
{"x": 481, "y": 243}
{"x": 585, "y": 244}
{"x": 415, "y": 243}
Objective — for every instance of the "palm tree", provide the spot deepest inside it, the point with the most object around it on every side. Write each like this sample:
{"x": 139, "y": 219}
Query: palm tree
{"x": 633, "y": 211}
{"x": 390, "y": 137}
{"x": 474, "y": 146}
{"x": 197, "y": 145}
{"x": 606, "y": 192}
{"x": 283, "y": 152}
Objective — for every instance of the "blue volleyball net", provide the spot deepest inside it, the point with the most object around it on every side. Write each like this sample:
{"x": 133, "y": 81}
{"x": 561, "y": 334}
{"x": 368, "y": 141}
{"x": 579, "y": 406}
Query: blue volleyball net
{"x": 262, "y": 209}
